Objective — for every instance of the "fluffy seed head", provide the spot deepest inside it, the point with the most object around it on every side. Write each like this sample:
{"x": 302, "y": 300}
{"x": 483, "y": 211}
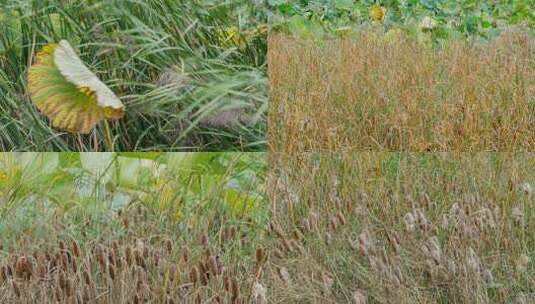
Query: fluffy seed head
{"x": 359, "y": 297}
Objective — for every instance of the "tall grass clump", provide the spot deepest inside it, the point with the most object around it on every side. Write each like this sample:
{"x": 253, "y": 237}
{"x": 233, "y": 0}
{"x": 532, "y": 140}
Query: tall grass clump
{"x": 134, "y": 256}
{"x": 191, "y": 74}
{"x": 388, "y": 227}
{"x": 396, "y": 91}
{"x": 75, "y": 235}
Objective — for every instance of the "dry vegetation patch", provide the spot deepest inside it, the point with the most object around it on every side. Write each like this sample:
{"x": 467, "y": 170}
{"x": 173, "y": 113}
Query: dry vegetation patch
{"x": 393, "y": 92}
{"x": 404, "y": 228}
{"x": 139, "y": 260}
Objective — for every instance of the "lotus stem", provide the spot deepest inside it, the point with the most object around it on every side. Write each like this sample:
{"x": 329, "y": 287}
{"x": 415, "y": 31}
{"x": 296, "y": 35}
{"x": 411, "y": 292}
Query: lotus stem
{"x": 108, "y": 139}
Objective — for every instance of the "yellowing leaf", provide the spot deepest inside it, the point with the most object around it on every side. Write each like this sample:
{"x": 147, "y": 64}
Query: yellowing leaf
{"x": 377, "y": 12}
{"x": 3, "y": 176}
{"x": 68, "y": 93}
{"x": 240, "y": 203}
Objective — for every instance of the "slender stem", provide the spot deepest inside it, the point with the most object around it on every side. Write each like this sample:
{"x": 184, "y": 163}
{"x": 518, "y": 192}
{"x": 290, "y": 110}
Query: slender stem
{"x": 108, "y": 138}
{"x": 95, "y": 142}
{"x": 80, "y": 142}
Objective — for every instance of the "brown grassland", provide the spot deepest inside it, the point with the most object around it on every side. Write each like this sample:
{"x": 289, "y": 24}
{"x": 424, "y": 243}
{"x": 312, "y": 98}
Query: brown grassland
{"x": 405, "y": 228}
{"x": 391, "y": 92}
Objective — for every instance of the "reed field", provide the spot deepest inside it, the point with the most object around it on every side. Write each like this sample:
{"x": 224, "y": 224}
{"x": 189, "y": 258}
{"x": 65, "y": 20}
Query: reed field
{"x": 400, "y": 91}
{"x": 190, "y": 75}
{"x": 389, "y": 227}
{"x": 126, "y": 228}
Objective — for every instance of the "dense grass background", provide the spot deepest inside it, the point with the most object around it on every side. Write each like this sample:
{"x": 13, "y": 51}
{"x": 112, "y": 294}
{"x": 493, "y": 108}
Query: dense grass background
{"x": 405, "y": 227}
{"x": 191, "y": 73}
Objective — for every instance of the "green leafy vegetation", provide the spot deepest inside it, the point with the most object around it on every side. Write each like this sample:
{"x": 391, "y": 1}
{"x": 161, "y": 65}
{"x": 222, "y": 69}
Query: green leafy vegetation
{"x": 191, "y": 74}
{"x": 170, "y": 184}
{"x": 481, "y": 19}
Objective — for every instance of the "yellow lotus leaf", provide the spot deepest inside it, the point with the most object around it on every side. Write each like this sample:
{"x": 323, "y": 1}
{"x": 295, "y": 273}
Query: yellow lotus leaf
{"x": 68, "y": 93}
{"x": 377, "y": 12}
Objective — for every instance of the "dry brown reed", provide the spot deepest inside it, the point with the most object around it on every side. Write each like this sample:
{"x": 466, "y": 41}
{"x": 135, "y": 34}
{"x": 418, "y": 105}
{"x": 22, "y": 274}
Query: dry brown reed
{"x": 143, "y": 266}
{"x": 392, "y": 92}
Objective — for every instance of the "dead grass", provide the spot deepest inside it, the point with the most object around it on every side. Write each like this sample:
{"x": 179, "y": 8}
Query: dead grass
{"x": 391, "y": 92}
{"x": 137, "y": 258}
{"x": 404, "y": 228}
